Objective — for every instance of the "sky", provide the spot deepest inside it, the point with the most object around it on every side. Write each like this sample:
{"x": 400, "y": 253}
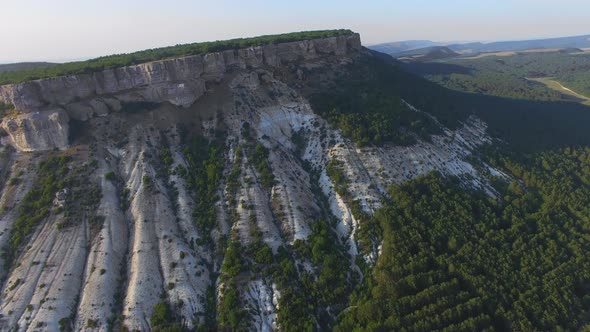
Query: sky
{"x": 67, "y": 30}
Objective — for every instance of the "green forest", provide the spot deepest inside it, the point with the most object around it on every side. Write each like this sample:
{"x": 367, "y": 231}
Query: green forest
{"x": 457, "y": 260}
{"x": 364, "y": 101}
{"x": 121, "y": 60}
{"x": 365, "y": 104}
{"x": 508, "y": 76}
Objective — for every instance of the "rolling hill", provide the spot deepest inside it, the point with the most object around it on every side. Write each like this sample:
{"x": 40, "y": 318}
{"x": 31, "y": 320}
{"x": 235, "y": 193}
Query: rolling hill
{"x": 404, "y": 49}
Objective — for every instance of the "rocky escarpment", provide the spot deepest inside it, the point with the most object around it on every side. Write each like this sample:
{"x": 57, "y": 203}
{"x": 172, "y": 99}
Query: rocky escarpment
{"x": 179, "y": 81}
{"x": 200, "y": 205}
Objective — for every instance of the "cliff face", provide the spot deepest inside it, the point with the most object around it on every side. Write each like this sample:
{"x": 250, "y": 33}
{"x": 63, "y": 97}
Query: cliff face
{"x": 138, "y": 228}
{"x": 179, "y": 81}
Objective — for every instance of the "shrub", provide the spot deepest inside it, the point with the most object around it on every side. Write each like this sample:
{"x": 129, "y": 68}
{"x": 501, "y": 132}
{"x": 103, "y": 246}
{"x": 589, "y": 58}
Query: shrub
{"x": 91, "y": 323}
{"x": 65, "y": 324}
{"x": 5, "y": 109}
{"x": 231, "y": 314}
{"x": 233, "y": 263}
{"x": 110, "y": 176}
{"x": 260, "y": 160}
{"x": 335, "y": 173}
{"x": 161, "y": 315}
{"x": 264, "y": 255}
{"x": 147, "y": 181}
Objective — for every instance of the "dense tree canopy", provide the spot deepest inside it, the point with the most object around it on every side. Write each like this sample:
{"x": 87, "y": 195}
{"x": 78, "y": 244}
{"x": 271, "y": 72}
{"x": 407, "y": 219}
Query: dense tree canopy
{"x": 508, "y": 76}
{"x": 365, "y": 103}
{"x": 458, "y": 260}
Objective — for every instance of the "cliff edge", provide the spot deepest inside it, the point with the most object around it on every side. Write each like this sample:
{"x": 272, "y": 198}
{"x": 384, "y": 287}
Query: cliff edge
{"x": 48, "y": 104}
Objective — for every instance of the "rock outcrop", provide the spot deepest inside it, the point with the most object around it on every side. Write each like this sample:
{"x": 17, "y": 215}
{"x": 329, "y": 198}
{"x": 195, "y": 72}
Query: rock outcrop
{"x": 38, "y": 131}
{"x": 179, "y": 81}
{"x": 156, "y": 196}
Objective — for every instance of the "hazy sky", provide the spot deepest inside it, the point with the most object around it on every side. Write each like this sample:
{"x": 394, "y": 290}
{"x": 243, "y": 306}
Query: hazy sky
{"x": 59, "y": 30}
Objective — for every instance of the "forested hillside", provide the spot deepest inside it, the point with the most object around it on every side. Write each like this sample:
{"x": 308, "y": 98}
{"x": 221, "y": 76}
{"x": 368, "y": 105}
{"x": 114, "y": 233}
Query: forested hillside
{"x": 507, "y": 76}
{"x": 365, "y": 102}
{"x": 458, "y": 260}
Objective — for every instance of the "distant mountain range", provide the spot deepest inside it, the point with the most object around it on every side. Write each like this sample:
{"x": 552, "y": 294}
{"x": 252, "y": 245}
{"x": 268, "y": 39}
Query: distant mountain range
{"x": 402, "y": 46}
{"x": 422, "y": 47}
{"x": 428, "y": 54}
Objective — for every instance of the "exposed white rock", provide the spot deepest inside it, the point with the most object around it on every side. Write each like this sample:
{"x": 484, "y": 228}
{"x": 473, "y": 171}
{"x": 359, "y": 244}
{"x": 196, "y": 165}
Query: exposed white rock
{"x": 446, "y": 154}
{"x": 38, "y": 131}
{"x": 104, "y": 263}
{"x": 191, "y": 276}
{"x": 146, "y": 281}
{"x": 50, "y": 274}
{"x": 292, "y": 195}
{"x": 262, "y": 303}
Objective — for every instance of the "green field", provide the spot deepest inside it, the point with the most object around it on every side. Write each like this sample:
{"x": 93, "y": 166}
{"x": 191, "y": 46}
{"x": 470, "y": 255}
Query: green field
{"x": 550, "y": 82}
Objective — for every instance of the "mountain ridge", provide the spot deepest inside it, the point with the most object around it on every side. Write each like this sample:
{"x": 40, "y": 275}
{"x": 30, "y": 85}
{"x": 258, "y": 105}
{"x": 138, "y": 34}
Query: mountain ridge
{"x": 145, "y": 56}
{"x": 581, "y": 41}
{"x": 269, "y": 188}
{"x": 17, "y": 66}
